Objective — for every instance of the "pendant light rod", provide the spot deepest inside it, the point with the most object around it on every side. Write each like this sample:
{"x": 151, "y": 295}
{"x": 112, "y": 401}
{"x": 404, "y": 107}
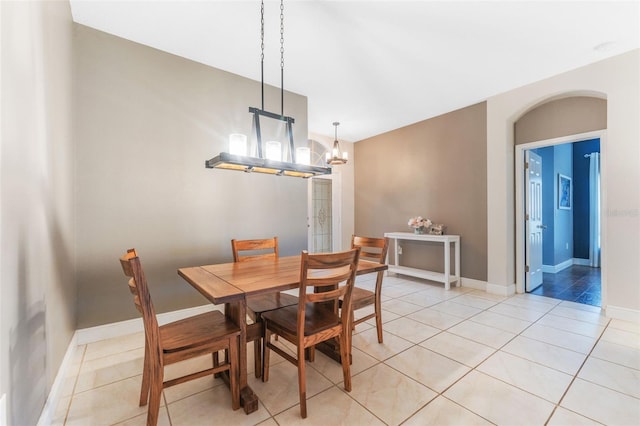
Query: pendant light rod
{"x": 262, "y": 51}
{"x": 281, "y": 57}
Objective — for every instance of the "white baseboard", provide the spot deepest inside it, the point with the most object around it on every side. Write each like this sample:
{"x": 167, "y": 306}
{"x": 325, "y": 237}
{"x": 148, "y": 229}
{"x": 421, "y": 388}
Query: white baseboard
{"x": 625, "y": 314}
{"x": 501, "y": 290}
{"x": 581, "y": 262}
{"x": 49, "y": 409}
{"x": 475, "y": 284}
{"x": 122, "y": 328}
{"x": 552, "y": 269}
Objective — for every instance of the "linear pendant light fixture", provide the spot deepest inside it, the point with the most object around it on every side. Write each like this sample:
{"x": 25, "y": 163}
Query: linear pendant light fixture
{"x": 269, "y": 157}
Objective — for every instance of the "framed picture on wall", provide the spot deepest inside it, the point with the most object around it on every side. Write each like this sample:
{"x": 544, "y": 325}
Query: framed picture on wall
{"x": 564, "y": 192}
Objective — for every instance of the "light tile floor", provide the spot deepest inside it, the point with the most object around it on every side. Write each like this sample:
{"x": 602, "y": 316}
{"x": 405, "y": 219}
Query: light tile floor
{"x": 458, "y": 357}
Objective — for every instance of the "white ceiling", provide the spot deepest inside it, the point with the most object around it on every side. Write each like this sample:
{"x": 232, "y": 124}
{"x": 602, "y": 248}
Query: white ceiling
{"x": 379, "y": 65}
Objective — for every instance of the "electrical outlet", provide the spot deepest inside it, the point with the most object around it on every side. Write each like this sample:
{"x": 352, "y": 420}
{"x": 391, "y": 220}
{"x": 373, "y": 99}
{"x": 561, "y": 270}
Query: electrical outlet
{"x": 399, "y": 249}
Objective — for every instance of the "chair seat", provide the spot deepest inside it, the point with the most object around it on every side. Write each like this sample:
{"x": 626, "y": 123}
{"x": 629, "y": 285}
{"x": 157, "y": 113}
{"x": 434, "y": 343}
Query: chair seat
{"x": 361, "y": 298}
{"x": 196, "y": 331}
{"x": 269, "y": 302}
{"x": 317, "y": 318}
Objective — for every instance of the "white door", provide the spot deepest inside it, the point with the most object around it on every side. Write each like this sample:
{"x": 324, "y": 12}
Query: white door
{"x": 534, "y": 226}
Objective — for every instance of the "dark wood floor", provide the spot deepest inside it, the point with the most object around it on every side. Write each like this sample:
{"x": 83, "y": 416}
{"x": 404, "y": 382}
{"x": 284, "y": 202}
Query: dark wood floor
{"x": 579, "y": 284}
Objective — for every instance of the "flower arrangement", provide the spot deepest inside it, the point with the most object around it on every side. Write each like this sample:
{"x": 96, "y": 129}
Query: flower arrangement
{"x": 419, "y": 224}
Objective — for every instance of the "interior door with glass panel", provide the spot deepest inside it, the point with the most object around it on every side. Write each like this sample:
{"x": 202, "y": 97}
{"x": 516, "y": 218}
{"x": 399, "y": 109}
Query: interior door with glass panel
{"x": 534, "y": 226}
{"x": 320, "y": 220}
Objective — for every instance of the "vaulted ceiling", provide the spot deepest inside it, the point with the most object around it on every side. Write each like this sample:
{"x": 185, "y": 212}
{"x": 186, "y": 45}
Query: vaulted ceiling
{"x": 379, "y": 65}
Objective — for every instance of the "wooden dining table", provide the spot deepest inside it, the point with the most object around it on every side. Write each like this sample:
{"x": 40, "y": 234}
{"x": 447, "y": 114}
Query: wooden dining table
{"x": 231, "y": 283}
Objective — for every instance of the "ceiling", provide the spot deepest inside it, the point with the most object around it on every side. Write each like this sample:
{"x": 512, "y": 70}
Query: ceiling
{"x": 379, "y": 65}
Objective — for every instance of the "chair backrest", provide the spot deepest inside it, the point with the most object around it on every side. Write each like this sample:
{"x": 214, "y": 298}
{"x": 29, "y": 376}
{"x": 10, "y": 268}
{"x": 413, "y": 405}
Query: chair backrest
{"x": 259, "y": 249}
{"x": 132, "y": 268}
{"x": 325, "y": 278}
{"x": 371, "y": 248}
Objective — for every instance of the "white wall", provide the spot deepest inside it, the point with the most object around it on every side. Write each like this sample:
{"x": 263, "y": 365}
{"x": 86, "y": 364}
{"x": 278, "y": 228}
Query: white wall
{"x": 618, "y": 80}
{"x": 37, "y": 225}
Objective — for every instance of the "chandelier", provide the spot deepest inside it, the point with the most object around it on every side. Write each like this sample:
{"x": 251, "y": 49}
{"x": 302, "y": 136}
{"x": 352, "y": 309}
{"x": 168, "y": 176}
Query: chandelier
{"x": 336, "y": 157}
{"x": 269, "y": 158}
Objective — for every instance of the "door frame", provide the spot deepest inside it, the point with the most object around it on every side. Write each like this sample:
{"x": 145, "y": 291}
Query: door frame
{"x": 520, "y": 207}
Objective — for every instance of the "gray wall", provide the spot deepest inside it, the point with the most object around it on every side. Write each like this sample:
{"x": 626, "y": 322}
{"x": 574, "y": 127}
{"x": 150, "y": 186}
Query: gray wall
{"x": 37, "y": 250}
{"x": 146, "y": 121}
{"x": 435, "y": 168}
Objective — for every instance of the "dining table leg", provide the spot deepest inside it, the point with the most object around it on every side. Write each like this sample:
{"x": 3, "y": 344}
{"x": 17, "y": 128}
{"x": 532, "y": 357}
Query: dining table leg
{"x": 237, "y": 312}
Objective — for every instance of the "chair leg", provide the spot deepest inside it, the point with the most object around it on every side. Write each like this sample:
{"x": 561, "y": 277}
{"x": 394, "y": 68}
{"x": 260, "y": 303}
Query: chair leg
{"x": 144, "y": 389}
{"x": 265, "y": 353}
{"x": 257, "y": 358}
{"x": 155, "y": 394}
{"x": 345, "y": 355}
{"x": 379, "y": 320}
{"x": 234, "y": 384}
{"x": 302, "y": 383}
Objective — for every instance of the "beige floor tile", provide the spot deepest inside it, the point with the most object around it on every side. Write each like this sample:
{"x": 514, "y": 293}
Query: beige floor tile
{"x": 621, "y": 337}
{"x": 502, "y": 322}
{"x": 101, "y": 371}
{"x": 269, "y": 422}
{"x": 113, "y": 346}
{"x": 281, "y": 391}
{"x": 389, "y": 394}
{"x": 458, "y": 348}
{"x": 564, "y": 417}
{"x": 537, "y": 379}
{"x": 601, "y": 404}
{"x": 488, "y": 296}
{"x": 549, "y": 355}
{"x": 633, "y": 327}
{"x": 574, "y": 326}
{"x": 368, "y": 342}
{"x": 141, "y": 420}
{"x": 516, "y": 311}
{"x": 60, "y": 413}
{"x": 533, "y": 302}
{"x": 620, "y": 354}
{"x": 473, "y": 300}
{"x": 435, "y": 318}
{"x": 427, "y": 367}
{"x": 564, "y": 339}
{"x": 106, "y": 405}
{"x": 613, "y": 376}
{"x": 409, "y": 329}
{"x": 332, "y": 369}
{"x": 400, "y": 307}
{"x": 443, "y": 412}
{"x": 564, "y": 310}
{"x": 212, "y": 406}
{"x": 423, "y": 298}
{"x": 192, "y": 387}
{"x": 330, "y": 407}
{"x": 497, "y": 401}
{"x": 397, "y": 291}
{"x": 457, "y": 309}
{"x": 580, "y": 306}
{"x": 481, "y": 333}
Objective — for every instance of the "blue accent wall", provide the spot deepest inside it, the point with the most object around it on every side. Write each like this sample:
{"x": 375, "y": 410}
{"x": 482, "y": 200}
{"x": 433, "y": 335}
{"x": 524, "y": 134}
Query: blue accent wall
{"x": 581, "y": 196}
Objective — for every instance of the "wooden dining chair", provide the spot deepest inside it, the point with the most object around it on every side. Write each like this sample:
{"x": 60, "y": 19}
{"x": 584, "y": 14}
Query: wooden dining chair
{"x": 191, "y": 337}
{"x": 257, "y": 305}
{"x": 324, "y": 279}
{"x": 374, "y": 249}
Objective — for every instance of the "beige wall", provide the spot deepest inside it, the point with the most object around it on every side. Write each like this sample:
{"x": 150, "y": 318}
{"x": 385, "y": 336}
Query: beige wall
{"x": 146, "y": 121}
{"x": 37, "y": 304}
{"x": 561, "y": 117}
{"x": 435, "y": 168}
{"x": 615, "y": 79}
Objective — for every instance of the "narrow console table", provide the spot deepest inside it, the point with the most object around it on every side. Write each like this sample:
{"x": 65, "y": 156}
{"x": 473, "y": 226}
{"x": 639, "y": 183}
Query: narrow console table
{"x": 447, "y": 278}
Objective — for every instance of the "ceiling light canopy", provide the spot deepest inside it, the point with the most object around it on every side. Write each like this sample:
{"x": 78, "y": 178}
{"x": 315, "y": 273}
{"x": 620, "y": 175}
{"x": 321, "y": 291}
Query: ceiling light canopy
{"x": 269, "y": 157}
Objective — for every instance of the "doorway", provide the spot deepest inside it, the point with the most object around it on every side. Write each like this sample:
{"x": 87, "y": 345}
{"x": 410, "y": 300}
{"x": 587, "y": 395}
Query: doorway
{"x": 323, "y": 217}
{"x": 570, "y": 270}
